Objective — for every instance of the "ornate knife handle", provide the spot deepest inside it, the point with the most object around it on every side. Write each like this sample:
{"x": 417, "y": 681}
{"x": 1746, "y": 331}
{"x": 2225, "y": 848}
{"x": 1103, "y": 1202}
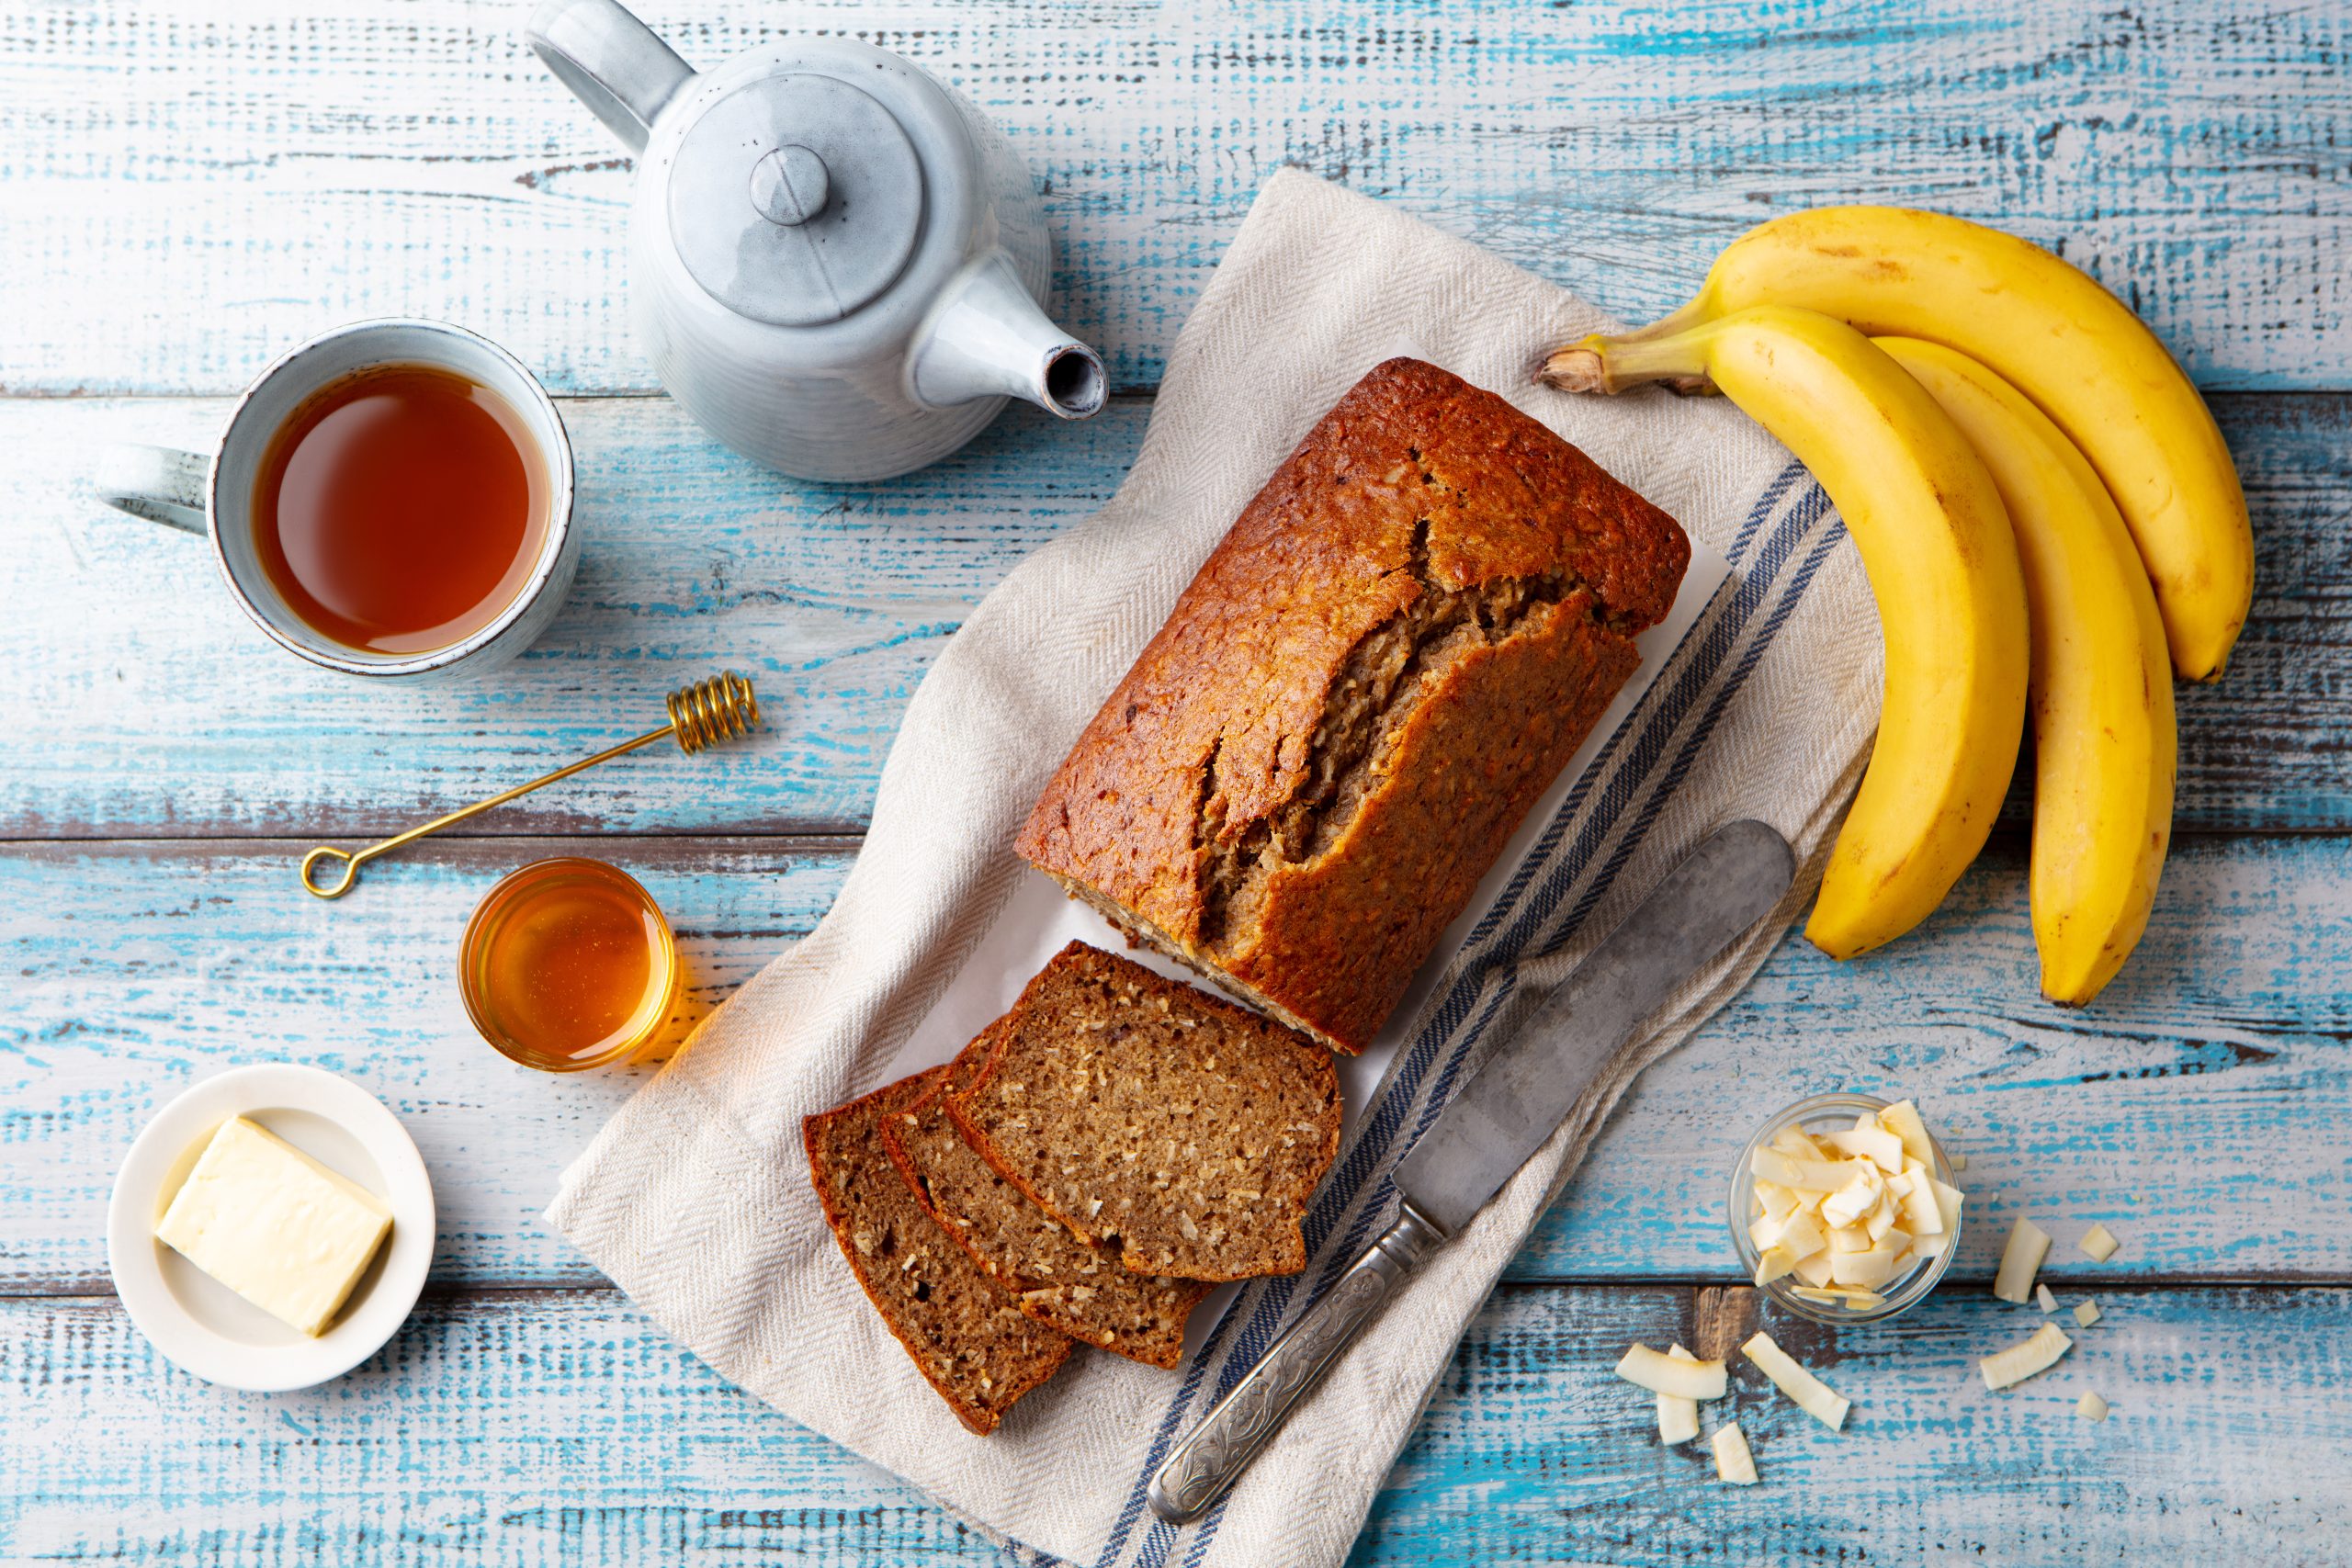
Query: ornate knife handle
{"x": 1214, "y": 1453}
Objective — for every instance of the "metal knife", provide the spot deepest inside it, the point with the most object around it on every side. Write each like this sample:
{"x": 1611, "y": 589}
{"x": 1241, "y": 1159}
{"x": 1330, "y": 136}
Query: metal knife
{"x": 1511, "y": 1105}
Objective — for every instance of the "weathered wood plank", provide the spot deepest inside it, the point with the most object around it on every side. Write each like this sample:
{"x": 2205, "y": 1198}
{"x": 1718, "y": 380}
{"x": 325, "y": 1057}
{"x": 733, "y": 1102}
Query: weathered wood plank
{"x": 142, "y": 700}
{"x": 1533, "y": 1451}
{"x": 560, "y": 1428}
{"x": 140, "y": 967}
{"x": 139, "y": 702}
{"x": 541, "y": 1428}
{"x": 2157, "y": 1109}
{"x": 192, "y": 187}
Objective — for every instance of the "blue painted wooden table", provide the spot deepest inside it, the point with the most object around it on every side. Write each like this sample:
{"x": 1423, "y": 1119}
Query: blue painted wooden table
{"x": 185, "y": 188}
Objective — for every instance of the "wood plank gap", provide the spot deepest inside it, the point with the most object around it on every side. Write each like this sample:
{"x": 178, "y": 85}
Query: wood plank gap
{"x": 2070, "y": 1284}
{"x": 1139, "y": 392}
{"x": 811, "y": 841}
{"x": 845, "y": 836}
{"x": 98, "y": 1291}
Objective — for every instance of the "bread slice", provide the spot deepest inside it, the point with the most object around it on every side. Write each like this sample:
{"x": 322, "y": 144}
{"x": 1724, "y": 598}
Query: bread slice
{"x": 1062, "y": 1283}
{"x": 959, "y": 1325}
{"x": 1185, "y": 1130}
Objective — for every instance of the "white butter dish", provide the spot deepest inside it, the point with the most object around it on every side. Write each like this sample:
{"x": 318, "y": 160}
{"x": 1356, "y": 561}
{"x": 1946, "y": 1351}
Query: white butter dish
{"x": 204, "y": 1326}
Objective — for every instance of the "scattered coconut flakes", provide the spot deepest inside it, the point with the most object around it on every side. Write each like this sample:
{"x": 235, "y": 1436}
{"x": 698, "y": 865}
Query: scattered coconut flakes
{"x": 1663, "y": 1374}
{"x": 2091, "y": 1407}
{"x": 2098, "y": 1244}
{"x": 1734, "y": 1463}
{"x": 1812, "y": 1396}
{"x": 1678, "y": 1418}
{"x": 2021, "y": 1256}
{"x": 2086, "y": 1312}
{"x": 2022, "y": 1360}
{"x": 2043, "y": 1298}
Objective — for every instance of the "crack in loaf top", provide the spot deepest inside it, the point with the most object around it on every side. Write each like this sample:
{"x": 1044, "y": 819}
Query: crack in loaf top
{"x": 1416, "y": 483}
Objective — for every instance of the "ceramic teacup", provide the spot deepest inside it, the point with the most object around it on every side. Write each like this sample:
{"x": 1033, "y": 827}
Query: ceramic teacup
{"x": 215, "y": 495}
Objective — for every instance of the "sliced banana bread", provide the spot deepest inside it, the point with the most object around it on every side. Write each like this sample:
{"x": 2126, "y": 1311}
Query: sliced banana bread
{"x": 1144, "y": 1115}
{"x": 1062, "y": 1283}
{"x": 959, "y": 1325}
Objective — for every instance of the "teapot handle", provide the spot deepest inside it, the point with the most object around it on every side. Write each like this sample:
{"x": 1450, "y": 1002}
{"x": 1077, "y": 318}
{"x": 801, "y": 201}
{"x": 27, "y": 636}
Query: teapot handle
{"x": 612, "y": 62}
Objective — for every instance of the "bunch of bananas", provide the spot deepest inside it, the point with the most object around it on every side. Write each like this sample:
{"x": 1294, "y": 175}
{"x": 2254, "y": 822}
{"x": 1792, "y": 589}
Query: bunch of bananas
{"x": 2049, "y": 519}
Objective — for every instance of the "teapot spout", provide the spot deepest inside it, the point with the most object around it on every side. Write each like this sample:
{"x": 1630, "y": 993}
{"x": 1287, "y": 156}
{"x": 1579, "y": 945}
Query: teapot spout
{"x": 986, "y": 338}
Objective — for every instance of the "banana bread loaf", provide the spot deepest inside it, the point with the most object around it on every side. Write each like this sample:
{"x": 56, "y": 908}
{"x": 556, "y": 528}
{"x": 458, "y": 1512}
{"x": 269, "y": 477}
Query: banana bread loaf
{"x": 1401, "y": 641}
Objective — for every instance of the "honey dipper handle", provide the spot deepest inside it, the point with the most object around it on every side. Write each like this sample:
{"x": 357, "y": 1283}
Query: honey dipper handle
{"x": 353, "y": 859}
{"x": 332, "y": 890}
{"x": 701, "y": 716}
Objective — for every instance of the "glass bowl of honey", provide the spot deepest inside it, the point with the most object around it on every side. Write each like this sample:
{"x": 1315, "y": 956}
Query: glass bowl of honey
{"x": 569, "y": 964}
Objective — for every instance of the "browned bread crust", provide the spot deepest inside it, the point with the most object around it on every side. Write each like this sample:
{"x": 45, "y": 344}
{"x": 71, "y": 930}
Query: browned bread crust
{"x": 1402, "y": 640}
{"x": 1146, "y": 1116}
{"x": 959, "y": 1326}
{"x": 1065, "y": 1282}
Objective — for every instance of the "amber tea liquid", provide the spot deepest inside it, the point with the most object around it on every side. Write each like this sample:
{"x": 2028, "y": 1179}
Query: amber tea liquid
{"x": 569, "y": 964}
{"x": 401, "y": 509}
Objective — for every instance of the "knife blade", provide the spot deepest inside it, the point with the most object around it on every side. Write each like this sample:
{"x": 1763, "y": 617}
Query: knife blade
{"x": 1513, "y": 1103}
{"x": 1526, "y": 1088}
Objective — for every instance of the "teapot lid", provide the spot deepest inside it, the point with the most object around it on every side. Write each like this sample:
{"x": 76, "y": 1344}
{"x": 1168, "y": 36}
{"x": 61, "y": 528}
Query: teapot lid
{"x": 796, "y": 199}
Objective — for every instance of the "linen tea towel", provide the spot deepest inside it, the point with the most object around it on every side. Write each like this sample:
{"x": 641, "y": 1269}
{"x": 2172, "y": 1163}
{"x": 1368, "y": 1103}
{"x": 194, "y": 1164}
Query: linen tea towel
{"x": 696, "y": 1198}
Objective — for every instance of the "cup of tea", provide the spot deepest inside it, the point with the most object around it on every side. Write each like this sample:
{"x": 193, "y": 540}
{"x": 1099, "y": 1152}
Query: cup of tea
{"x": 392, "y": 499}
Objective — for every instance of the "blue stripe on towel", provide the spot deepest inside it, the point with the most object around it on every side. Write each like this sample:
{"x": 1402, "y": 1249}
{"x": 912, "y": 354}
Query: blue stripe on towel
{"x": 1629, "y": 761}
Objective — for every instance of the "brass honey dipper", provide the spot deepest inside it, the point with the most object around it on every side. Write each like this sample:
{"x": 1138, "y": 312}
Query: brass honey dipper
{"x": 701, "y": 714}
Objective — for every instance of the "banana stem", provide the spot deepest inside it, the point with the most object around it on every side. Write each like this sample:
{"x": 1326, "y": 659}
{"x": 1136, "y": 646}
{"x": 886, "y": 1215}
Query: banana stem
{"x": 1597, "y": 364}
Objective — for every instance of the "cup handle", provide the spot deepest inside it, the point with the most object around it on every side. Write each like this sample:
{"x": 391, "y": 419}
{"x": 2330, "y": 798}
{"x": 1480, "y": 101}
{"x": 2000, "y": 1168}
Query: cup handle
{"x": 162, "y": 484}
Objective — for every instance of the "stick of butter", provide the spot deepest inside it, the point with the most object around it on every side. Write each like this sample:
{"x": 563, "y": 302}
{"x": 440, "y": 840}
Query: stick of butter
{"x": 274, "y": 1225}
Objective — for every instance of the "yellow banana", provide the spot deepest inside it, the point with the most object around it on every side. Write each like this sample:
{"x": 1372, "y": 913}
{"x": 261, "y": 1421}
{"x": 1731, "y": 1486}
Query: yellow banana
{"x": 1943, "y": 564}
{"x": 2072, "y": 347}
{"x": 2101, "y": 690}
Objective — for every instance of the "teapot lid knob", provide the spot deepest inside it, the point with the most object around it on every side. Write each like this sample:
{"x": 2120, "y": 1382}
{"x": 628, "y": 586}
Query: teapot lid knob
{"x": 791, "y": 186}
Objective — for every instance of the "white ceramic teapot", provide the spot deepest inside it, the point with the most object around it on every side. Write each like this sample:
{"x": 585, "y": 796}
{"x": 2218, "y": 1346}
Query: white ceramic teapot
{"x": 837, "y": 261}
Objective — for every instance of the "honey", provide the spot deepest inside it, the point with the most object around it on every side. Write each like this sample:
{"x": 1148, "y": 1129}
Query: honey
{"x": 567, "y": 965}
